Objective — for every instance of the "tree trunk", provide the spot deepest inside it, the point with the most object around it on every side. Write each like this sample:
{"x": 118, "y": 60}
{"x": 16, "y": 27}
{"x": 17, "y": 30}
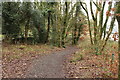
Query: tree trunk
{"x": 75, "y": 32}
{"x": 65, "y": 25}
{"x": 90, "y": 33}
{"x": 96, "y": 27}
{"x": 109, "y": 33}
{"x": 119, "y": 48}
{"x": 101, "y": 20}
{"x": 118, "y": 19}
{"x": 26, "y": 31}
{"x": 95, "y": 23}
{"x": 48, "y": 28}
{"x": 105, "y": 24}
{"x": 79, "y": 33}
{"x": 75, "y": 29}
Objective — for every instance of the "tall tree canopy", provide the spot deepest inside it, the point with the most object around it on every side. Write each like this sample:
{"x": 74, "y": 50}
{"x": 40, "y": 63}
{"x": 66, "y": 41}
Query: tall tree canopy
{"x": 45, "y": 22}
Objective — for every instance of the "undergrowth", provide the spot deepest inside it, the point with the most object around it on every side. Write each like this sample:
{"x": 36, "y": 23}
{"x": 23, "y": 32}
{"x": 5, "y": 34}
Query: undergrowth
{"x": 107, "y": 60}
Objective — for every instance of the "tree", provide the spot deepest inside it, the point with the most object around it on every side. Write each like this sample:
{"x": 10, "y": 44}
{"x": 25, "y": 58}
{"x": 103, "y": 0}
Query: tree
{"x": 38, "y": 19}
{"x": 65, "y": 24}
{"x": 99, "y": 26}
{"x": 46, "y": 22}
{"x": 75, "y": 29}
{"x": 10, "y": 18}
{"x": 118, "y": 20}
{"x": 50, "y": 4}
{"x": 86, "y": 10}
{"x": 26, "y": 9}
{"x": 78, "y": 24}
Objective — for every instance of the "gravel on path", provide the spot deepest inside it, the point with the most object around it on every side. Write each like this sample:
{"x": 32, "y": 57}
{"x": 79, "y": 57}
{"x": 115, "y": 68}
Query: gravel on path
{"x": 50, "y": 66}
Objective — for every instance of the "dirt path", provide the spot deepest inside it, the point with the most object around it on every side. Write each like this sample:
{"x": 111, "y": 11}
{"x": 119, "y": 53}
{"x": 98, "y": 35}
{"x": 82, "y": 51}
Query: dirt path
{"x": 50, "y": 66}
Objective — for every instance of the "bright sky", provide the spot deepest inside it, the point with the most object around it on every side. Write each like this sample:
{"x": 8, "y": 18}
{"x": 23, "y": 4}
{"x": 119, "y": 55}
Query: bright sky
{"x": 106, "y": 7}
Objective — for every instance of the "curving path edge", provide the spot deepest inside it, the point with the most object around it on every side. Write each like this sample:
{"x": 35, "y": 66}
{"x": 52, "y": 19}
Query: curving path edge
{"x": 50, "y": 66}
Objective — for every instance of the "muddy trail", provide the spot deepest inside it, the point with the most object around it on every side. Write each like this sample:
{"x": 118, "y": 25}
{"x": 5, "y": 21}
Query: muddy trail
{"x": 50, "y": 66}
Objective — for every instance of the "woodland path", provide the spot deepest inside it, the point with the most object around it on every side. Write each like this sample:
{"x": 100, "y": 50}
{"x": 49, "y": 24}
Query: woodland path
{"x": 50, "y": 66}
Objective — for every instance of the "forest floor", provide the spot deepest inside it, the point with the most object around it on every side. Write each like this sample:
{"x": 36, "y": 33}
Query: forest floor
{"x": 17, "y": 58}
{"x": 86, "y": 64}
{"x": 44, "y": 61}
